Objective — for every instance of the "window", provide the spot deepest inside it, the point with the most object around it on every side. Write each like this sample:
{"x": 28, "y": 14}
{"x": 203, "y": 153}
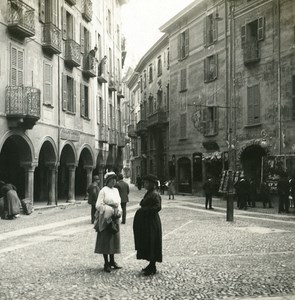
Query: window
{"x": 16, "y": 66}
{"x": 210, "y": 29}
{"x": 151, "y": 105}
{"x": 183, "y": 126}
{"x": 84, "y": 101}
{"x": 183, "y": 87}
{"x": 48, "y": 11}
{"x": 47, "y": 83}
{"x": 160, "y": 100}
{"x": 68, "y": 25}
{"x": 144, "y": 78}
{"x": 84, "y": 39}
{"x": 100, "y": 111}
{"x": 293, "y": 97}
{"x": 210, "y": 120}
{"x": 69, "y": 94}
{"x": 160, "y": 65}
{"x": 141, "y": 84}
{"x": 253, "y": 101}
{"x": 183, "y": 44}
{"x": 210, "y": 68}
{"x": 168, "y": 59}
{"x": 150, "y": 73}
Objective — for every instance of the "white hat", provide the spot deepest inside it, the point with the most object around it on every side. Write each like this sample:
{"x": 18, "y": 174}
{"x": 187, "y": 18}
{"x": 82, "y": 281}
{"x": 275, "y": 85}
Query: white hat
{"x": 109, "y": 175}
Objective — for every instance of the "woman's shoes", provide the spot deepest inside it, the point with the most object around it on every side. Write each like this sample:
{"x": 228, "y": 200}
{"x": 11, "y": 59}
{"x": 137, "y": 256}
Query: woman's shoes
{"x": 149, "y": 270}
{"x": 115, "y": 265}
{"x": 107, "y": 268}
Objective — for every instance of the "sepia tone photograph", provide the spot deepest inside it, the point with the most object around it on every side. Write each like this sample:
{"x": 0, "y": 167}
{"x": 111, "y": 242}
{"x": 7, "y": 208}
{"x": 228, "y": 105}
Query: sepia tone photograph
{"x": 147, "y": 149}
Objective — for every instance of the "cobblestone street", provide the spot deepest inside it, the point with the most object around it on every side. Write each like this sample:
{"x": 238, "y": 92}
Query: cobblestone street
{"x": 50, "y": 255}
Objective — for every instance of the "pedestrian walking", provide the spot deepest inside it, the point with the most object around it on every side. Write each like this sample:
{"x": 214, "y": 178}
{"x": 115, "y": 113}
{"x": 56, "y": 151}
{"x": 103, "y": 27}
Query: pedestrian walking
{"x": 208, "y": 188}
{"x": 171, "y": 188}
{"x": 265, "y": 195}
{"x": 123, "y": 189}
{"x": 283, "y": 191}
{"x": 138, "y": 182}
{"x": 109, "y": 211}
{"x": 147, "y": 227}
{"x": 12, "y": 202}
{"x": 242, "y": 188}
{"x": 93, "y": 191}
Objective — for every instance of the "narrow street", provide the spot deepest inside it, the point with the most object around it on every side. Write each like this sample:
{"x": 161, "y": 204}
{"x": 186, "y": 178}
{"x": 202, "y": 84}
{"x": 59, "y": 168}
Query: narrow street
{"x": 49, "y": 255}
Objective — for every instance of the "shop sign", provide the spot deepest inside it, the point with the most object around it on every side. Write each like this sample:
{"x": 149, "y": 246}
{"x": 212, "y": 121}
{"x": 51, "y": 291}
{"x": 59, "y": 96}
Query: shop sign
{"x": 69, "y": 134}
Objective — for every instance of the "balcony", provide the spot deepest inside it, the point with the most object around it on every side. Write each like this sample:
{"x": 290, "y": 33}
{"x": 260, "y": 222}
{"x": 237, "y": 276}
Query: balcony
{"x": 103, "y": 136}
{"x": 20, "y": 19}
{"x": 71, "y": 2}
{"x": 131, "y": 131}
{"x": 22, "y": 106}
{"x": 120, "y": 91}
{"x": 72, "y": 54}
{"x": 112, "y": 137}
{"x": 87, "y": 10}
{"x": 141, "y": 127}
{"x": 112, "y": 84}
{"x": 251, "y": 52}
{"x": 101, "y": 74}
{"x": 89, "y": 65}
{"x": 121, "y": 139}
{"x": 51, "y": 42}
{"x": 157, "y": 119}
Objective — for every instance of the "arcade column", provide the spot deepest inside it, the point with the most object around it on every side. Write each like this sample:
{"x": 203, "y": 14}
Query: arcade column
{"x": 89, "y": 170}
{"x": 29, "y": 182}
{"x": 71, "y": 191}
{"x": 52, "y": 185}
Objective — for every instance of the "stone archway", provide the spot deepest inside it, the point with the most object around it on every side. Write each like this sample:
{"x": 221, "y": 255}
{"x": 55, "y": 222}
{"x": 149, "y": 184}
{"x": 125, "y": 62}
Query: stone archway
{"x": 45, "y": 173}
{"x": 83, "y": 174}
{"x": 17, "y": 163}
{"x": 66, "y": 173}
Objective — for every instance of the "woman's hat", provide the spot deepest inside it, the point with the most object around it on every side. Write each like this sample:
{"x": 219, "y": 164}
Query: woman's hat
{"x": 109, "y": 175}
{"x": 151, "y": 178}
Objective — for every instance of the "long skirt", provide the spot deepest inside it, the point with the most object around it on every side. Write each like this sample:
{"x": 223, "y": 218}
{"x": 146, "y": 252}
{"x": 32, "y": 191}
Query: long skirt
{"x": 107, "y": 242}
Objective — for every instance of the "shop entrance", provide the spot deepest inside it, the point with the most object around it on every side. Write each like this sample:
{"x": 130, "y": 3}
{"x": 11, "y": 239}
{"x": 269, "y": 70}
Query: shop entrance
{"x": 184, "y": 176}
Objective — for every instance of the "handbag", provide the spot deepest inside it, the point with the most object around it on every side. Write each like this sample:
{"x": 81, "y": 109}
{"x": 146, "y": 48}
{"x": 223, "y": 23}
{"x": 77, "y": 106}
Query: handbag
{"x": 113, "y": 227}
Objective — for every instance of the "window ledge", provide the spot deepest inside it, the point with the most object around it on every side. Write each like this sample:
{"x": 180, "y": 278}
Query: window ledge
{"x": 210, "y": 80}
{"x": 48, "y": 105}
{"x": 85, "y": 118}
{"x": 70, "y": 112}
{"x": 183, "y": 91}
{"x": 253, "y": 125}
{"x": 183, "y": 58}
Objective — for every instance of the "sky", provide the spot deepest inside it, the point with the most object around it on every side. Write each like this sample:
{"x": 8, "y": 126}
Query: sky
{"x": 141, "y": 20}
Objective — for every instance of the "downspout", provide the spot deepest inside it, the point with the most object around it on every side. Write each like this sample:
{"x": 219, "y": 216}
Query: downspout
{"x": 58, "y": 130}
{"x": 279, "y": 77}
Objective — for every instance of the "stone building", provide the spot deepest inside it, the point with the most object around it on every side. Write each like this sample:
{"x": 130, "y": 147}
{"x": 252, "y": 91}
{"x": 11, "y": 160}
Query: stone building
{"x": 151, "y": 121}
{"x": 60, "y": 114}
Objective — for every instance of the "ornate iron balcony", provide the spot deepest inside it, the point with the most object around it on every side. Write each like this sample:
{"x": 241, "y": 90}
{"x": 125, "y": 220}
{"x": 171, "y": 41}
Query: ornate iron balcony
{"x": 112, "y": 84}
{"x": 112, "y": 137}
{"x": 89, "y": 65}
{"x": 251, "y": 52}
{"x": 158, "y": 118}
{"x": 87, "y": 10}
{"x": 73, "y": 53}
{"x": 22, "y": 106}
{"x": 51, "y": 42}
{"x": 103, "y": 136}
{"x": 20, "y": 19}
{"x": 101, "y": 74}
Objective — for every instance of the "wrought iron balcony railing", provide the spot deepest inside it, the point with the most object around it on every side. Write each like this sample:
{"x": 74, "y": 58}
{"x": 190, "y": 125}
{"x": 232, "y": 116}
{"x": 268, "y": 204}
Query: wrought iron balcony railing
{"x": 112, "y": 137}
{"x": 87, "y": 10}
{"x": 20, "y": 19}
{"x": 22, "y": 106}
{"x": 160, "y": 117}
{"x": 73, "y": 53}
{"x": 251, "y": 52}
{"x": 51, "y": 38}
{"x": 103, "y": 133}
{"x": 89, "y": 65}
{"x": 121, "y": 139}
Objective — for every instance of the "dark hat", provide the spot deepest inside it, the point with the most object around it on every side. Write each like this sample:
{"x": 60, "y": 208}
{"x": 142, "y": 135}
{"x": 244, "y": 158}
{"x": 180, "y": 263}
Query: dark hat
{"x": 95, "y": 177}
{"x": 109, "y": 175}
{"x": 120, "y": 176}
{"x": 151, "y": 177}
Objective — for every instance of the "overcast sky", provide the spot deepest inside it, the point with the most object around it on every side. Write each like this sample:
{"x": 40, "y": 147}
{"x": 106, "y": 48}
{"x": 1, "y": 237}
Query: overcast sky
{"x": 141, "y": 21}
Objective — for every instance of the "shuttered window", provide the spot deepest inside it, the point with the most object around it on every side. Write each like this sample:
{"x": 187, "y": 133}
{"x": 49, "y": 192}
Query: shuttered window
{"x": 183, "y": 44}
{"x": 210, "y": 121}
{"x": 159, "y": 65}
{"x": 47, "y": 84}
{"x": 183, "y": 126}
{"x": 16, "y": 66}
{"x": 253, "y": 104}
{"x": 210, "y": 29}
{"x": 69, "y": 94}
{"x": 210, "y": 68}
{"x": 293, "y": 97}
{"x": 183, "y": 86}
{"x": 150, "y": 73}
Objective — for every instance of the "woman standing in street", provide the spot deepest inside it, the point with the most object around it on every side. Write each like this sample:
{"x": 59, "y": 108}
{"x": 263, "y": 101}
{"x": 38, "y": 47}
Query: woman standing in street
{"x": 147, "y": 227}
{"x": 109, "y": 211}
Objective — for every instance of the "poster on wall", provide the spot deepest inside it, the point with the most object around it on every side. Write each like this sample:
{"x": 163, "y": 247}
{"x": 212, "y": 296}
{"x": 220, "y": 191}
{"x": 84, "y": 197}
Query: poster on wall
{"x": 224, "y": 182}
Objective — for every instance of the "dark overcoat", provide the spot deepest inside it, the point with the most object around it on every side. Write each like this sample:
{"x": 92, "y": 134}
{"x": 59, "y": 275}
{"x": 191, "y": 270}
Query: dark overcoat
{"x": 147, "y": 228}
{"x": 123, "y": 189}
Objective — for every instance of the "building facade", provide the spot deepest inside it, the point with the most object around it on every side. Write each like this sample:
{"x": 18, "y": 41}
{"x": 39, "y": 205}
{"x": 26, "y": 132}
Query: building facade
{"x": 61, "y": 98}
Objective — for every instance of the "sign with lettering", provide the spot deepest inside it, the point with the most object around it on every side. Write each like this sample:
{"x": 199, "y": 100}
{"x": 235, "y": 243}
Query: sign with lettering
{"x": 69, "y": 134}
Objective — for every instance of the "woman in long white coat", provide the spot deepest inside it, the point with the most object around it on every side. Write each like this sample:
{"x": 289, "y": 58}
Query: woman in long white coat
{"x": 108, "y": 205}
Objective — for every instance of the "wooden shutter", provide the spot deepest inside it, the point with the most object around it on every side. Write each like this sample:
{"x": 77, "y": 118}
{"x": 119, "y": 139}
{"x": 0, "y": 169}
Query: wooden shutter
{"x": 74, "y": 96}
{"x": 74, "y": 28}
{"x": 250, "y": 105}
{"x": 47, "y": 84}
{"x": 82, "y": 38}
{"x": 256, "y": 104}
{"x": 261, "y": 29}
{"x": 42, "y": 11}
{"x": 64, "y": 23}
{"x": 54, "y": 8}
{"x": 293, "y": 97}
{"x": 215, "y": 119}
{"x": 20, "y": 65}
{"x": 206, "y": 69}
{"x": 13, "y": 66}
{"x": 205, "y": 34}
{"x": 64, "y": 92}
{"x": 186, "y": 43}
{"x": 215, "y": 61}
{"x": 179, "y": 47}
{"x": 82, "y": 100}
{"x": 243, "y": 36}
{"x": 17, "y": 67}
{"x": 183, "y": 125}
{"x": 215, "y": 27}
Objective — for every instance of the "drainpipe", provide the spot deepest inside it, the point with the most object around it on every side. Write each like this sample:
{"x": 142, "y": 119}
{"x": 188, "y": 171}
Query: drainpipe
{"x": 58, "y": 130}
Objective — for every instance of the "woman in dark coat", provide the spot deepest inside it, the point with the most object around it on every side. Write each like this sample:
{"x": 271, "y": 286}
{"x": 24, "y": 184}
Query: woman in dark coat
{"x": 147, "y": 227}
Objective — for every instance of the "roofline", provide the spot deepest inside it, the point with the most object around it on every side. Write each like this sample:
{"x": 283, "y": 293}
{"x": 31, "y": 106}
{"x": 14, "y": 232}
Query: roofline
{"x": 163, "y": 40}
